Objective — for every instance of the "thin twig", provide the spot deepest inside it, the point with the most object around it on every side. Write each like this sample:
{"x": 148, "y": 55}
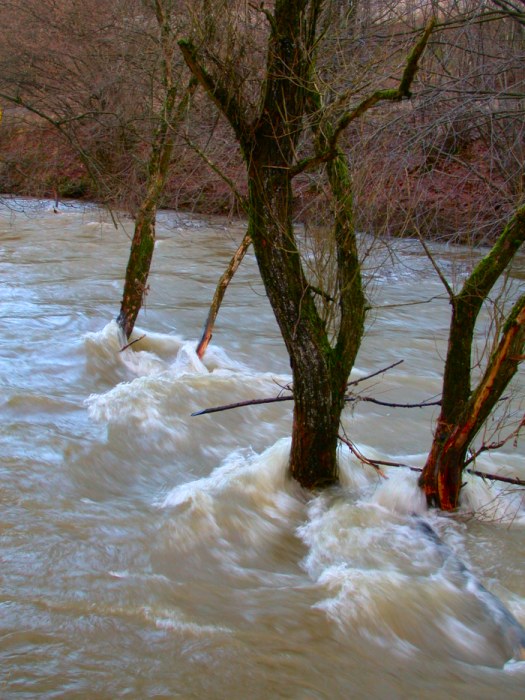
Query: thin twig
{"x": 371, "y": 462}
{"x": 436, "y": 266}
{"x": 389, "y": 404}
{"x": 374, "y": 374}
{"x": 132, "y": 343}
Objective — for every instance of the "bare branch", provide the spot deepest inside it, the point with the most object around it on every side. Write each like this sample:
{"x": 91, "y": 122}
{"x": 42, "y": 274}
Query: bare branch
{"x": 218, "y": 171}
{"x": 378, "y": 463}
{"x": 348, "y": 399}
{"x": 391, "y": 95}
{"x": 241, "y": 404}
{"x": 394, "y": 94}
{"x": 436, "y": 266}
{"x": 223, "y": 98}
{"x": 360, "y": 456}
{"x": 375, "y": 374}
{"x": 132, "y": 343}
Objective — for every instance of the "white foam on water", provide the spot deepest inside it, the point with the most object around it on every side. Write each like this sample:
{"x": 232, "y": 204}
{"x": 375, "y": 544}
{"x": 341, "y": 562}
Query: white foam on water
{"x": 463, "y": 635}
{"x": 106, "y": 340}
{"x": 242, "y": 504}
{"x": 400, "y": 493}
{"x": 136, "y": 403}
{"x": 100, "y": 225}
{"x": 353, "y": 474}
{"x": 388, "y": 581}
{"x": 340, "y": 530}
{"x": 153, "y": 409}
{"x": 216, "y": 358}
{"x": 515, "y": 668}
{"x": 150, "y": 353}
{"x": 142, "y": 363}
{"x": 175, "y": 621}
{"x": 493, "y": 501}
{"x": 188, "y": 362}
{"x": 261, "y": 477}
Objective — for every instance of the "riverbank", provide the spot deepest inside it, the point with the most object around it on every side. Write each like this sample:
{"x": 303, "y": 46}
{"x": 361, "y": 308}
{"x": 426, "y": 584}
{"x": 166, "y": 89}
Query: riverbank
{"x": 446, "y": 189}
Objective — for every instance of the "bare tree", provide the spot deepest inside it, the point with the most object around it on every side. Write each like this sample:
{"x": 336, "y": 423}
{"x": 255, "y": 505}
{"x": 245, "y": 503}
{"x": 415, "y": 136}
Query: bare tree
{"x": 168, "y": 119}
{"x": 464, "y": 410}
{"x": 268, "y": 125}
{"x": 106, "y": 77}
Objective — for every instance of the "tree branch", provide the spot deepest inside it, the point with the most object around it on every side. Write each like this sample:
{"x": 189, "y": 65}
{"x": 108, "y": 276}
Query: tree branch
{"x": 241, "y": 404}
{"x": 278, "y": 399}
{"x": 394, "y": 94}
{"x": 378, "y": 463}
{"x": 436, "y": 267}
{"x": 225, "y": 101}
{"x": 218, "y": 171}
{"x": 374, "y": 374}
{"x": 391, "y": 95}
{"x": 59, "y": 125}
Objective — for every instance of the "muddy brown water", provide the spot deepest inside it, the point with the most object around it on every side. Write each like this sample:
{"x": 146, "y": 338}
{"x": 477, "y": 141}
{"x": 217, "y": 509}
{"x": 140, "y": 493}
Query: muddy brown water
{"x": 148, "y": 554}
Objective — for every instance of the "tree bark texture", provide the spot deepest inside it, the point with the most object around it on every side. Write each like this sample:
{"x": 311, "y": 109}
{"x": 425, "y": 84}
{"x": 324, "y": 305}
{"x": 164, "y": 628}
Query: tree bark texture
{"x": 464, "y": 411}
{"x": 269, "y": 144}
{"x": 143, "y": 242}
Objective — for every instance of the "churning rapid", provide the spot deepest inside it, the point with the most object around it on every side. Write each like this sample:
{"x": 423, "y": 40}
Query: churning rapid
{"x": 150, "y": 554}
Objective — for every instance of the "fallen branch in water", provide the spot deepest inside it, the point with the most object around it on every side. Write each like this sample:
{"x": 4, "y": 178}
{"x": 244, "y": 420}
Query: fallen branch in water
{"x": 277, "y": 399}
{"x": 360, "y": 456}
{"x": 132, "y": 343}
{"x": 378, "y": 463}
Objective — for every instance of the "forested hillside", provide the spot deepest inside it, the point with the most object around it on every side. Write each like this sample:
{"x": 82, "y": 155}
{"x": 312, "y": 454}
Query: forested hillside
{"x": 81, "y": 90}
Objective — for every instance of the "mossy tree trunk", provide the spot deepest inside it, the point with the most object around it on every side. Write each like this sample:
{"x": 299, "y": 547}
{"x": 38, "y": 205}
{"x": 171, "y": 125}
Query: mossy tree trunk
{"x": 463, "y": 410}
{"x": 319, "y": 371}
{"x": 269, "y": 145}
{"x": 143, "y": 242}
{"x": 321, "y": 359}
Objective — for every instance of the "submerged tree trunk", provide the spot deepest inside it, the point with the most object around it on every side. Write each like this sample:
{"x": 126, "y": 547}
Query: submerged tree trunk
{"x": 319, "y": 381}
{"x": 220, "y": 291}
{"x": 321, "y": 358}
{"x": 143, "y": 242}
{"x": 137, "y": 271}
{"x": 464, "y": 411}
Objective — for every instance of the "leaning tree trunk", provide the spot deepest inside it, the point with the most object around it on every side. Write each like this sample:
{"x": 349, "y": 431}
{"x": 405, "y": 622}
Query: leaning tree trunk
{"x": 463, "y": 411}
{"x": 143, "y": 243}
{"x": 220, "y": 291}
{"x": 447, "y": 458}
{"x": 137, "y": 270}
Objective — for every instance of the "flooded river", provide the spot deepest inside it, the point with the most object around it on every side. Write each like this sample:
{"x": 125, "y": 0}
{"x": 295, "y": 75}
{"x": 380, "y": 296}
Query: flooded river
{"x": 146, "y": 553}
